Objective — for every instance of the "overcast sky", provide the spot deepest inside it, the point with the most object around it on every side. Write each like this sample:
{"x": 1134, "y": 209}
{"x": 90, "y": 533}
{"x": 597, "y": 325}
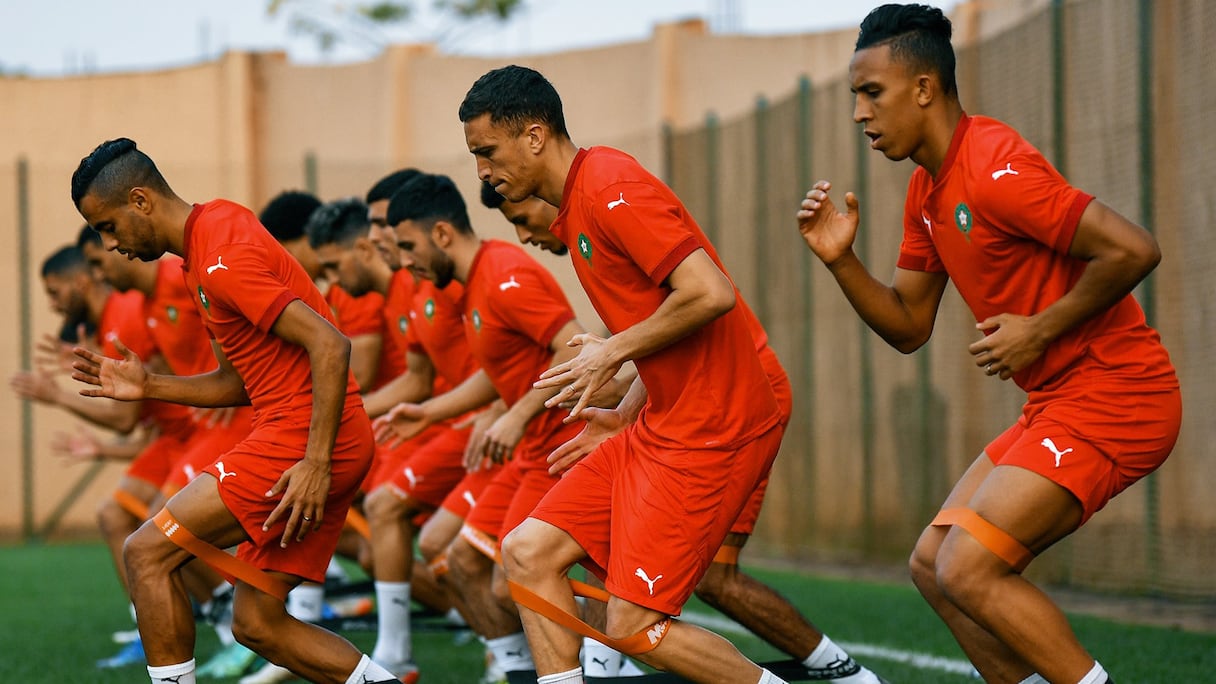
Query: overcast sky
{"x": 56, "y": 37}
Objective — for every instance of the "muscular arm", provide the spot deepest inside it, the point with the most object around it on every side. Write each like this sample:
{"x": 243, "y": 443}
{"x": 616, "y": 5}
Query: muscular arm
{"x": 476, "y": 391}
{"x": 414, "y": 385}
{"x": 38, "y": 385}
{"x": 1118, "y": 255}
{"x": 221, "y": 387}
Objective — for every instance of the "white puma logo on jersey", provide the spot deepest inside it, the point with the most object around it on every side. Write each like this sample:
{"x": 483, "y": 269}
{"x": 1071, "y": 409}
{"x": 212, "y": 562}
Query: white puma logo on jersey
{"x": 468, "y": 497}
{"x": 617, "y": 202}
{"x": 219, "y": 264}
{"x": 219, "y": 466}
{"x": 1052, "y": 446}
{"x": 511, "y": 282}
{"x": 412, "y": 477}
{"x": 928, "y": 224}
{"x": 1007, "y": 171}
{"x": 649, "y": 582}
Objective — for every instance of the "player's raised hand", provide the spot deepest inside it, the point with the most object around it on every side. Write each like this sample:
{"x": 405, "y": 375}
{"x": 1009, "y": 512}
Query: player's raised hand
{"x": 581, "y": 376}
{"x": 80, "y": 446}
{"x": 601, "y": 424}
{"x": 1012, "y": 343}
{"x": 37, "y": 385}
{"x": 402, "y": 422}
{"x": 827, "y": 232}
{"x": 54, "y": 355}
{"x": 123, "y": 379}
{"x": 475, "y": 449}
{"x": 305, "y": 487}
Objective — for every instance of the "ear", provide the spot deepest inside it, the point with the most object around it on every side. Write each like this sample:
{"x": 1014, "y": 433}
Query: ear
{"x": 926, "y": 89}
{"x": 141, "y": 199}
{"x": 363, "y": 248}
{"x": 442, "y": 233}
{"x": 537, "y": 135}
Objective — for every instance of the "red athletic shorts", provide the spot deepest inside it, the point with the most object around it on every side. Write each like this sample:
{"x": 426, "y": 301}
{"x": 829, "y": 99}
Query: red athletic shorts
{"x": 509, "y": 498}
{"x": 662, "y": 513}
{"x": 1095, "y": 444}
{"x": 466, "y": 493}
{"x": 746, "y": 522}
{"x": 389, "y": 460}
{"x": 250, "y": 469}
{"x": 431, "y": 471}
{"x": 153, "y": 464}
{"x": 205, "y": 446}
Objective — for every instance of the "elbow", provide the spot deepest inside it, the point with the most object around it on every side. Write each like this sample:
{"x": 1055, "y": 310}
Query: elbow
{"x": 907, "y": 346}
{"x": 1149, "y": 256}
{"x": 721, "y": 301}
{"x": 126, "y": 424}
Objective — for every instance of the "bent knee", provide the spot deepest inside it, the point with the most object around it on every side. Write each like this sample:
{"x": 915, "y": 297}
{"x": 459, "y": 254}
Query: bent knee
{"x": 147, "y": 550}
{"x": 467, "y": 563}
{"x": 384, "y": 506}
{"x": 718, "y": 583}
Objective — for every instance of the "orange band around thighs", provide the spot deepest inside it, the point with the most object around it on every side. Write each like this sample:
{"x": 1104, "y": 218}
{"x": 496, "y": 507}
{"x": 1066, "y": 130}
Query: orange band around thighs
{"x": 643, "y": 642}
{"x": 990, "y": 536}
{"x": 224, "y": 563}
{"x": 131, "y": 504}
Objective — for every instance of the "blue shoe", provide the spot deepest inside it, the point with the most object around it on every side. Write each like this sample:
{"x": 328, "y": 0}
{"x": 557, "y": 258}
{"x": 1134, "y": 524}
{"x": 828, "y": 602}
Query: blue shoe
{"x": 231, "y": 661}
{"x": 131, "y": 654}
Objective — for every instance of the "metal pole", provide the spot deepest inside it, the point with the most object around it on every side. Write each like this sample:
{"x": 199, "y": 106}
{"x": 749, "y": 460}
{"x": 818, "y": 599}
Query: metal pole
{"x": 761, "y": 191}
{"x": 27, "y": 335}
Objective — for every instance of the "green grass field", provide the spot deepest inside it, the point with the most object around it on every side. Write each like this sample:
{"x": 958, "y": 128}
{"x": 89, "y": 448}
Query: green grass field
{"x": 61, "y": 602}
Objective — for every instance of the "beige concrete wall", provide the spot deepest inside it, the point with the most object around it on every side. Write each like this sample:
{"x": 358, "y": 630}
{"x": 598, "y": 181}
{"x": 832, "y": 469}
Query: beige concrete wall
{"x": 242, "y": 126}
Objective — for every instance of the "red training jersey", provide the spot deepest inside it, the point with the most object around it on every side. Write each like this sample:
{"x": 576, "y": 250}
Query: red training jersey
{"x": 513, "y": 308}
{"x": 436, "y": 329}
{"x": 243, "y": 280}
{"x": 999, "y": 220}
{"x": 627, "y": 232}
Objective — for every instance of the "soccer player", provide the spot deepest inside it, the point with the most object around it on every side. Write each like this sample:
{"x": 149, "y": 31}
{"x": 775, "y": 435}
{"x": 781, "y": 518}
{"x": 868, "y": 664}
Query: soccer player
{"x": 741, "y": 597}
{"x": 283, "y": 492}
{"x": 1047, "y": 270}
{"x": 418, "y": 475}
{"x": 517, "y": 321}
{"x": 650, "y": 507}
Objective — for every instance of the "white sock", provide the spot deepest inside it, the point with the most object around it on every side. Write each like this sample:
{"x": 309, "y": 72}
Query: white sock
{"x": 336, "y": 570}
{"x": 133, "y": 618}
{"x": 600, "y": 660}
{"x": 368, "y": 671}
{"x": 304, "y": 602}
{"x": 630, "y": 669}
{"x": 393, "y": 621}
{"x": 767, "y": 677}
{"x": 1096, "y": 675}
{"x": 574, "y": 676}
{"x": 511, "y": 652}
{"x": 824, "y": 655}
{"x": 182, "y": 673}
{"x": 1034, "y": 679}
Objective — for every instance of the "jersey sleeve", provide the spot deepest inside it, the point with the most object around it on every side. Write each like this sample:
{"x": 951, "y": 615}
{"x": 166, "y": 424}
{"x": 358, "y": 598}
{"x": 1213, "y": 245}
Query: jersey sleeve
{"x": 917, "y": 251}
{"x": 644, "y": 223}
{"x": 1036, "y": 203}
{"x": 249, "y": 284}
{"x": 537, "y": 307}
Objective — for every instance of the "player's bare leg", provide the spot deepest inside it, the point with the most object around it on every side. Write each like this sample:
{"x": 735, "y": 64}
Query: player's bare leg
{"x": 116, "y": 523}
{"x": 433, "y": 541}
{"x": 774, "y": 619}
{"x": 538, "y": 555}
{"x": 471, "y": 573}
{"x": 1003, "y": 622}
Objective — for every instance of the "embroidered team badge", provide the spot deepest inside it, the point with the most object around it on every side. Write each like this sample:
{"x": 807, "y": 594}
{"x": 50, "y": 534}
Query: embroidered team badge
{"x": 403, "y": 324}
{"x": 963, "y": 219}
{"x": 171, "y": 312}
{"x": 584, "y": 246}
{"x": 429, "y": 309}
{"x": 476, "y": 320}
{"x": 202, "y": 297}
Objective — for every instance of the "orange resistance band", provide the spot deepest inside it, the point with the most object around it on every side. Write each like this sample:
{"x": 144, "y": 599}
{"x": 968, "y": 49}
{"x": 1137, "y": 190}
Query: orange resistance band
{"x": 727, "y": 555}
{"x": 131, "y": 504}
{"x": 231, "y": 567}
{"x": 993, "y": 538}
{"x": 356, "y": 521}
{"x": 642, "y": 642}
{"x": 439, "y": 566}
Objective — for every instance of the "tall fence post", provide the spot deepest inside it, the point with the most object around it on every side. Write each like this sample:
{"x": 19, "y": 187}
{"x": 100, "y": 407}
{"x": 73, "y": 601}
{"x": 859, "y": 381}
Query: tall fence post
{"x": 802, "y": 160}
{"x": 1152, "y": 491}
{"x": 311, "y": 184}
{"x": 27, "y": 334}
{"x": 712, "y": 218}
{"x": 862, "y": 246}
{"x": 761, "y": 191}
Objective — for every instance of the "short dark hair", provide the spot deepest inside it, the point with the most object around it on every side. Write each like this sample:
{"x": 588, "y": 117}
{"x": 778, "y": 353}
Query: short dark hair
{"x": 919, "y": 36}
{"x": 339, "y": 222}
{"x": 286, "y": 215}
{"x": 429, "y": 198}
{"x": 513, "y": 96}
{"x": 385, "y": 187}
{"x": 490, "y": 198}
{"x": 87, "y": 236}
{"x": 64, "y": 261}
{"x": 112, "y": 169}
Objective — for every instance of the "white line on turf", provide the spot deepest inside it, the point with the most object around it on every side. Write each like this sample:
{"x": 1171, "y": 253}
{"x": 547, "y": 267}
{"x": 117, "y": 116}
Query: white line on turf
{"x": 923, "y": 661}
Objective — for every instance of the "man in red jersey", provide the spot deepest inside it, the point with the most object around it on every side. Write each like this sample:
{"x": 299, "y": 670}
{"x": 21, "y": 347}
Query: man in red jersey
{"x": 740, "y": 596}
{"x": 283, "y": 492}
{"x": 1047, "y": 270}
{"x": 417, "y": 476}
{"x": 517, "y": 321}
{"x": 662, "y": 494}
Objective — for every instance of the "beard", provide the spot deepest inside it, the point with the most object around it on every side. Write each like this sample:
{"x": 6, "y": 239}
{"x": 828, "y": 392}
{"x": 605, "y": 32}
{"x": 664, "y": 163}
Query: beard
{"x": 444, "y": 269}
